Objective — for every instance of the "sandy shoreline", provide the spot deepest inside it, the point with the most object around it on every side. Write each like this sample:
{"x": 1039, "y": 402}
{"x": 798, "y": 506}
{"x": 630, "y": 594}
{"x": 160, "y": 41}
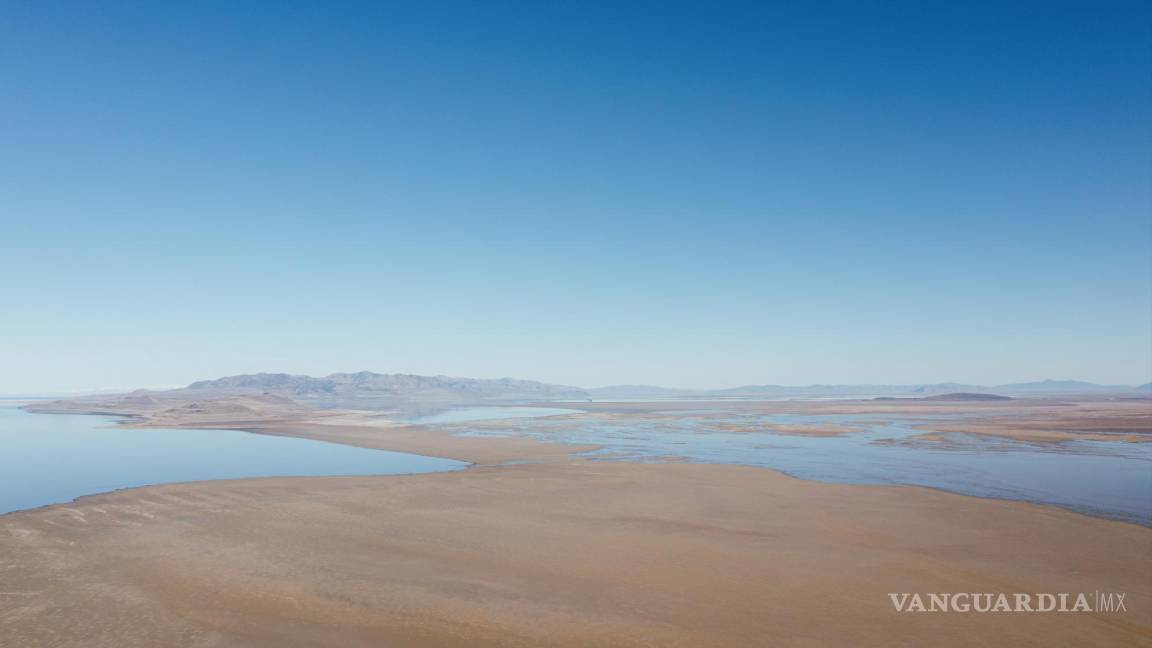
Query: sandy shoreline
{"x": 558, "y": 552}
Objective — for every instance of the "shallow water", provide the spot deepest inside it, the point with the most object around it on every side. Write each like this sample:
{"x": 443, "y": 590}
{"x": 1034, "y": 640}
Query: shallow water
{"x": 1108, "y": 479}
{"x": 52, "y": 458}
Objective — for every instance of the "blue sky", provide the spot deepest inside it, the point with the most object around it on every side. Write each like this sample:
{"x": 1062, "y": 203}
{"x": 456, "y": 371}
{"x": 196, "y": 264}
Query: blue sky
{"x": 688, "y": 194}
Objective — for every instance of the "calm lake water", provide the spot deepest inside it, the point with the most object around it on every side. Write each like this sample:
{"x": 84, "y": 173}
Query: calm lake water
{"x": 1107, "y": 479}
{"x": 47, "y": 458}
{"x": 52, "y": 458}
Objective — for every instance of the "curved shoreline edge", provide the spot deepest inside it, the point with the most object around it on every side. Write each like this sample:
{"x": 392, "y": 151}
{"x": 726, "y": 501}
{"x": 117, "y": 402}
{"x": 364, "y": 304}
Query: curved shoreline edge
{"x": 487, "y": 451}
{"x": 562, "y": 551}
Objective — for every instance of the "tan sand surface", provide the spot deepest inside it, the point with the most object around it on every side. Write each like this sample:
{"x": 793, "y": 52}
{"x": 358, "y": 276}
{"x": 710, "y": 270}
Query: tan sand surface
{"x": 559, "y": 552}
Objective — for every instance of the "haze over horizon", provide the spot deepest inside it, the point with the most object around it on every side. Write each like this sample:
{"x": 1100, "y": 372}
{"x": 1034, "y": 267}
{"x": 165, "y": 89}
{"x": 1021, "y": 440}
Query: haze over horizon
{"x": 696, "y": 388}
{"x": 590, "y": 194}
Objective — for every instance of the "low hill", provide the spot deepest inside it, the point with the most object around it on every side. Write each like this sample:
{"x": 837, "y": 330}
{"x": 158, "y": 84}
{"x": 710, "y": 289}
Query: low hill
{"x": 638, "y": 391}
{"x": 965, "y": 396}
{"x": 961, "y": 396}
{"x": 178, "y": 408}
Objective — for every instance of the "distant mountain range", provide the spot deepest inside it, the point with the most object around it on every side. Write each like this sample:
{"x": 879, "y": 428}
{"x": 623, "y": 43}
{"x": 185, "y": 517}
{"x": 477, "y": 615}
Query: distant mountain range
{"x": 366, "y": 385}
{"x": 1044, "y": 387}
{"x": 368, "y": 389}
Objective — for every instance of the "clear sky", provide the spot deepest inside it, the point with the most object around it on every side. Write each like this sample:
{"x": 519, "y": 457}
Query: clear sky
{"x": 688, "y": 194}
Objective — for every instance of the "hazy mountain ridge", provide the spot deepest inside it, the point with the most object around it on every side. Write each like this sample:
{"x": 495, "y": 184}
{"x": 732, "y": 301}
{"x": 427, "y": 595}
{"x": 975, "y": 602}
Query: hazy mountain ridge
{"x": 1043, "y": 387}
{"x": 370, "y": 385}
{"x": 1063, "y": 386}
{"x": 266, "y": 393}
